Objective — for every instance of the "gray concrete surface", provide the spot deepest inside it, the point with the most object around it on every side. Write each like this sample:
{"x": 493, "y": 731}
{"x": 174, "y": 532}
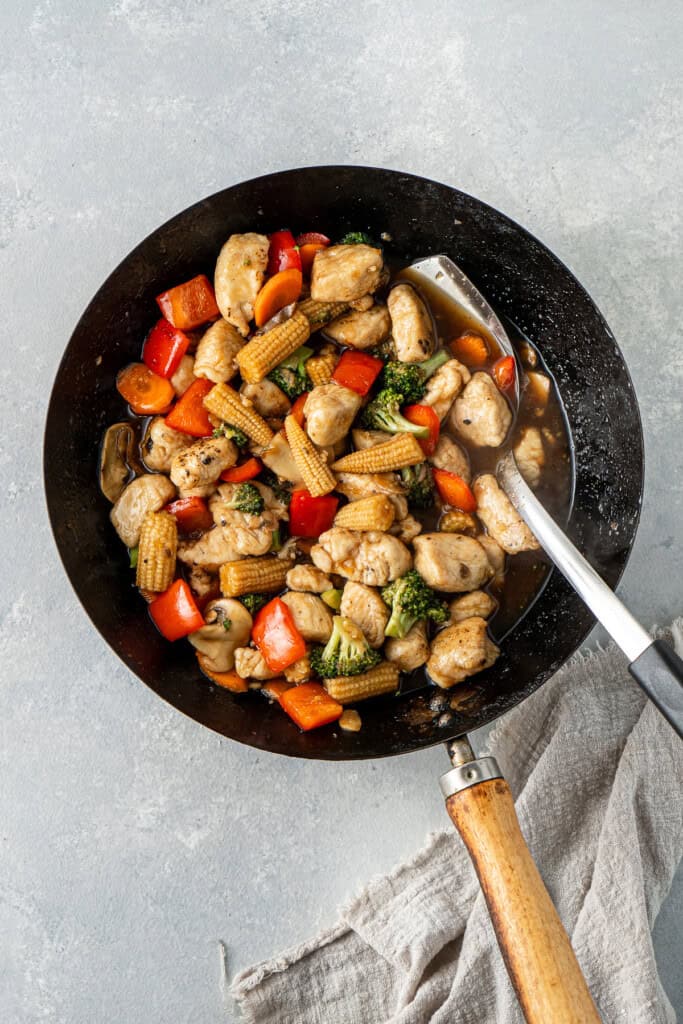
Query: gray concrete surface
{"x": 132, "y": 842}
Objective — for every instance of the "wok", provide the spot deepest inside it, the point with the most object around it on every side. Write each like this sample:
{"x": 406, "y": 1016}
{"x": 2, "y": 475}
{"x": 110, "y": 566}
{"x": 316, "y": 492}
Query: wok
{"x": 525, "y": 283}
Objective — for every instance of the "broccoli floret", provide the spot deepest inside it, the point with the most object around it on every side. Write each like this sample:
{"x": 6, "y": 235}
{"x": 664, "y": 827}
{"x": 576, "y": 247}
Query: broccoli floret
{"x": 282, "y": 490}
{"x": 410, "y": 379}
{"x": 419, "y": 485}
{"x": 346, "y": 653}
{"x": 233, "y": 433}
{"x": 252, "y": 602}
{"x": 410, "y": 599}
{"x": 356, "y": 238}
{"x": 248, "y": 499}
{"x": 383, "y": 413}
{"x": 290, "y": 375}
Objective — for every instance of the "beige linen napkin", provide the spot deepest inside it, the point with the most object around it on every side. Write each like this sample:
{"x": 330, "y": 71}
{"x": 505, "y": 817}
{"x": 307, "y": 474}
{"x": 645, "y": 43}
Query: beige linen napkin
{"x": 598, "y": 779}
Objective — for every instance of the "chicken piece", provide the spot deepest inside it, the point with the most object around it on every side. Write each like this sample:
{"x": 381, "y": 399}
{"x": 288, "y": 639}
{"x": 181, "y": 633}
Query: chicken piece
{"x": 240, "y": 269}
{"x": 460, "y": 651}
{"x": 362, "y": 304}
{"x": 371, "y": 558}
{"x": 530, "y": 455}
{"x": 495, "y": 555}
{"x": 306, "y": 578}
{"x": 342, "y": 273}
{"x": 200, "y": 491}
{"x": 311, "y": 616}
{"x": 330, "y": 410}
{"x": 250, "y": 664}
{"x": 161, "y": 444}
{"x": 451, "y": 562}
{"x": 411, "y": 324}
{"x": 299, "y": 671}
{"x": 406, "y": 529}
{"x": 360, "y": 485}
{"x": 444, "y": 386}
{"x": 184, "y": 375}
{"x": 147, "y": 493}
{"x": 215, "y": 355}
{"x": 361, "y": 329}
{"x": 213, "y": 548}
{"x": 246, "y": 534}
{"x": 481, "y": 415}
{"x": 272, "y": 503}
{"x": 203, "y": 462}
{"x": 278, "y": 458}
{"x": 202, "y": 582}
{"x": 478, "y": 602}
{"x": 455, "y": 521}
{"x": 449, "y": 455}
{"x": 410, "y": 651}
{"x": 267, "y": 398}
{"x": 228, "y": 626}
{"x": 365, "y": 607}
{"x": 363, "y": 439}
{"x": 501, "y": 518}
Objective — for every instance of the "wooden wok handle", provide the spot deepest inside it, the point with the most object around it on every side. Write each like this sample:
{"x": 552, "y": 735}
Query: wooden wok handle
{"x": 537, "y": 952}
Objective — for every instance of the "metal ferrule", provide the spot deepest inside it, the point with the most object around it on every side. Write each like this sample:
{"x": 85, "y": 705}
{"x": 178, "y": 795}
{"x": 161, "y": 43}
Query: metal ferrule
{"x": 469, "y": 774}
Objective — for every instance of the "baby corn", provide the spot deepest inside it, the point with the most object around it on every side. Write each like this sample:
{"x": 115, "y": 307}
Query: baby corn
{"x": 225, "y": 404}
{"x": 402, "y": 450}
{"x": 253, "y": 576}
{"x": 264, "y": 352}
{"x": 376, "y": 512}
{"x": 321, "y": 367}
{"x": 383, "y": 678}
{"x": 310, "y": 463}
{"x": 157, "y": 552}
{"x": 320, "y": 313}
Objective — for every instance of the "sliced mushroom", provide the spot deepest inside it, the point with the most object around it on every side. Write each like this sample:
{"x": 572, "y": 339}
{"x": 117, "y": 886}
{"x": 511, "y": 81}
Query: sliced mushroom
{"x": 115, "y": 452}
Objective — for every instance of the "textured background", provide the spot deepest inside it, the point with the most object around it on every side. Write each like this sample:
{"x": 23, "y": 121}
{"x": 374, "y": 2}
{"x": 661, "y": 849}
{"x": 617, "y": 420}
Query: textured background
{"x": 132, "y": 841}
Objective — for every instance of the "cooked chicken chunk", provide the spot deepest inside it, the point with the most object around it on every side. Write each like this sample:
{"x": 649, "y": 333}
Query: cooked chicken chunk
{"x": 330, "y": 410}
{"x": 360, "y": 485}
{"x": 307, "y": 578}
{"x": 372, "y": 558}
{"x": 530, "y": 455}
{"x": 481, "y": 415}
{"x": 267, "y": 398}
{"x": 311, "y": 616}
{"x": 228, "y": 626}
{"x": 500, "y": 517}
{"x": 363, "y": 439}
{"x": 449, "y": 455}
{"x": 240, "y": 269}
{"x": 299, "y": 671}
{"x": 478, "y": 602}
{"x": 161, "y": 443}
{"x": 278, "y": 458}
{"x": 455, "y": 521}
{"x": 495, "y": 555}
{"x": 215, "y": 355}
{"x": 406, "y": 529}
{"x": 147, "y": 493}
{"x": 444, "y": 386}
{"x": 343, "y": 273}
{"x": 202, "y": 582}
{"x": 250, "y": 664}
{"x": 184, "y": 375}
{"x": 362, "y": 304}
{"x": 246, "y": 534}
{"x": 213, "y": 548}
{"x": 451, "y": 562}
{"x": 203, "y": 462}
{"x": 361, "y": 329}
{"x": 460, "y": 651}
{"x": 410, "y": 651}
{"x": 411, "y": 324}
{"x": 365, "y": 607}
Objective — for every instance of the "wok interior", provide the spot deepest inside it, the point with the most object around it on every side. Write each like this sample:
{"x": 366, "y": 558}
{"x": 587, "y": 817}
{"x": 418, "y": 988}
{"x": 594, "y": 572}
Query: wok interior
{"x": 523, "y": 282}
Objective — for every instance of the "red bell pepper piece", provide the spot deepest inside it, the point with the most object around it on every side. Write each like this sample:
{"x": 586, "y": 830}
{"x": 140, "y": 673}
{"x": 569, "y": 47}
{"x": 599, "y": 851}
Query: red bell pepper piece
{"x": 164, "y": 347}
{"x": 312, "y": 238}
{"x": 357, "y": 371}
{"x": 297, "y": 410}
{"x": 276, "y": 636}
{"x": 188, "y": 415}
{"x": 175, "y": 612}
{"x": 191, "y": 514}
{"x": 283, "y": 253}
{"x": 245, "y": 471}
{"x": 424, "y": 416}
{"x": 504, "y": 373}
{"x": 310, "y": 706}
{"x": 190, "y": 304}
{"x": 453, "y": 490}
{"x": 309, "y": 516}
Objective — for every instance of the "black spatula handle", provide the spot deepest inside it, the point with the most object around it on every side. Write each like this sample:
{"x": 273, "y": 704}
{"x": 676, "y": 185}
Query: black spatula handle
{"x": 659, "y": 671}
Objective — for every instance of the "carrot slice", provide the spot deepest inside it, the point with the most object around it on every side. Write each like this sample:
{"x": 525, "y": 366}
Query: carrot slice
{"x": 278, "y": 291}
{"x": 297, "y": 410}
{"x": 310, "y": 706}
{"x": 504, "y": 373}
{"x": 274, "y": 688}
{"x": 228, "y": 680}
{"x": 470, "y": 349}
{"x": 307, "y": 253}
{"x": 454, "y": 491}
{"x": 145, "y": 391}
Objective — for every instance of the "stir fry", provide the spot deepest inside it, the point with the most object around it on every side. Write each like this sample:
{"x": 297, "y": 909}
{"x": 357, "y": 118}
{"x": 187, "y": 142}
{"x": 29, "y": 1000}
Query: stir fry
{"x": 304, "y": 481}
